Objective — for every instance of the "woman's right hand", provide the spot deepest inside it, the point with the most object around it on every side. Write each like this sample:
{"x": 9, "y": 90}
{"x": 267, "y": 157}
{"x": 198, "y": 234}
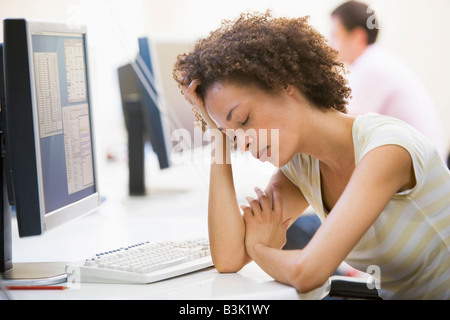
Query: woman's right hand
{"x": 197, "y": 102}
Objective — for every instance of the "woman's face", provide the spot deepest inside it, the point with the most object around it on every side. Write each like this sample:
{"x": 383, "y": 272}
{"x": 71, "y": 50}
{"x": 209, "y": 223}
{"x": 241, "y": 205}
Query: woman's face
{"x": 266, "y": 124}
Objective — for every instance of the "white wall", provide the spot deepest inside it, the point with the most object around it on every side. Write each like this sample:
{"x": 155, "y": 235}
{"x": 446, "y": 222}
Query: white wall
{"x": 414, "y": 29}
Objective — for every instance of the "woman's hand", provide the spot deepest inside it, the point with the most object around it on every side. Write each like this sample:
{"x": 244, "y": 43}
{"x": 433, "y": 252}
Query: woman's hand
{"x": 197, "y": 102}
{"x": 264, "y": 221}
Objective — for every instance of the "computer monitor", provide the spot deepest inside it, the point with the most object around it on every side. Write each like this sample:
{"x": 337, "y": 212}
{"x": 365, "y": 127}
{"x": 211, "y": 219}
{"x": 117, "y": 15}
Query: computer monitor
{"x": 145, "y": 116}
{"x": 49, "y": 159}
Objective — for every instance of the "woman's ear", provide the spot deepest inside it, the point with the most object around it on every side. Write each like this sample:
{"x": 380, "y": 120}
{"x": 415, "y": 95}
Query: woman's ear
{"x": 289, "y": 89}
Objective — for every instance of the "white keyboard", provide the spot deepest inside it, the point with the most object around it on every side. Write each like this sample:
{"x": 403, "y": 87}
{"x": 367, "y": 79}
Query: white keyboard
{"x": 144, "y": 262}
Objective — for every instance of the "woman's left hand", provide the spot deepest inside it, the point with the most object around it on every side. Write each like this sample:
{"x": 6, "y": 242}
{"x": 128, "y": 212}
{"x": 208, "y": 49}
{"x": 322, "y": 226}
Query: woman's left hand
{"x": 264, "y": 221}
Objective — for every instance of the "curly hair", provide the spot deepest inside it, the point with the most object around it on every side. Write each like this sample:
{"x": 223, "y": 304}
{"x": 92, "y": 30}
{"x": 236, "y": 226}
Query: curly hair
{"x": 271, "y": 53}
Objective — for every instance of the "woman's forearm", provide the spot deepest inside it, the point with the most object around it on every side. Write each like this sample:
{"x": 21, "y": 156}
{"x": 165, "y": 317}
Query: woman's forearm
{"x": 225, "y": 222}
{"x": 291, "y": 267}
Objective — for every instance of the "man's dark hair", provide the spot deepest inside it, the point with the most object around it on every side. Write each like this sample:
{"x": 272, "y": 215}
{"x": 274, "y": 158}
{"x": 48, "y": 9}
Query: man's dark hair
{"x": 355, "y": 14}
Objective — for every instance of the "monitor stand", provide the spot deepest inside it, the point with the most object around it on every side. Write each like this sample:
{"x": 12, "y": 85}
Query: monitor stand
{"x": 136, "y": 143}
{"x": 35, "y": 274}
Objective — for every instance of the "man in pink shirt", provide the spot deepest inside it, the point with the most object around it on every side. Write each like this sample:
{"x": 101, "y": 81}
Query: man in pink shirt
{"x": 381, "y": 82}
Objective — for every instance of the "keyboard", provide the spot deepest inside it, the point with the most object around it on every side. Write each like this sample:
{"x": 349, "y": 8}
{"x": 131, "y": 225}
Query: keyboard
{"x": 143, "y": 263}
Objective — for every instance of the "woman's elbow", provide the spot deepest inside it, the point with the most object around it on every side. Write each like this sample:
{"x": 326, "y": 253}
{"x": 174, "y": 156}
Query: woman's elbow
{"x": 306, "y": 278}
{"x": 229, "y": 265}
{"x": 227, "y": 268}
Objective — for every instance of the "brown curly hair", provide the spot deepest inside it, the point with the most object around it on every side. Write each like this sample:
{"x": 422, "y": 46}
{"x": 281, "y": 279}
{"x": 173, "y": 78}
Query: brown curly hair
{"x": 270, "y": 53}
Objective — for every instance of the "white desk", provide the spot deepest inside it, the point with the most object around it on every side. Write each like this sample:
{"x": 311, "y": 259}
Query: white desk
{"x": 176, "y": 209}
{"x": 251, "y": 283}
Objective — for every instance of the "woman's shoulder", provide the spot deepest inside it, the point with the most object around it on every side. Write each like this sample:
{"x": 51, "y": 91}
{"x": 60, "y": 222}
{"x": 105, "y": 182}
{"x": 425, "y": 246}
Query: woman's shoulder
{"x": 373, "y": 130}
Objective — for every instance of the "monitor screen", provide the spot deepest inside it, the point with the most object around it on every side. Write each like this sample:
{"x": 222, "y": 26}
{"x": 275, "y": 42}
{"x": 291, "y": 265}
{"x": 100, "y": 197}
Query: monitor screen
{"x": 64, "y": 125}
{"x": 48, "y": 124}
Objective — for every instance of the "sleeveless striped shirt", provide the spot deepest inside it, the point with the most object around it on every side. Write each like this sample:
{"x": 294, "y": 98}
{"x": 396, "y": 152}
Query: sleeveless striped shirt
{"x": 409, "y": 241}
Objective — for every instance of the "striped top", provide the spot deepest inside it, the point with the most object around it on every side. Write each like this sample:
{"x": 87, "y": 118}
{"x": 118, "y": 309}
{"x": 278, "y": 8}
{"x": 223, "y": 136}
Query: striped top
{"x": 409, "y": 241}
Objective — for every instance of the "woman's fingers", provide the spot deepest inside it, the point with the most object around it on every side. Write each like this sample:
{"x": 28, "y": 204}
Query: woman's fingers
{"x": 277, "y": 207}
{"x": 190, "y": 94}
{"x": 262, "y": 205}
{"x": 197, "y": 101}
{"x": 255, "y": 206}
{"x": 264, "y": 200}
{"x": 276, "y": 198}
{"x": 247, "y": 211}
{"x": 266, "y": 206}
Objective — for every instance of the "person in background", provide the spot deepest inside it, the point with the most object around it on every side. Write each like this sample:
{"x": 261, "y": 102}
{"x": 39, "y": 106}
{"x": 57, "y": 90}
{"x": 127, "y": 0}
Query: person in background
{"x": 381, "y": 82}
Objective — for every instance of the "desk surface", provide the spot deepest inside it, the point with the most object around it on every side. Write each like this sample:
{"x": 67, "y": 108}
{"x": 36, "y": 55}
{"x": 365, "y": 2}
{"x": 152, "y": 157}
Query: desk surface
{"x": 175, "y": 208}
{"x": 251, "y": 283}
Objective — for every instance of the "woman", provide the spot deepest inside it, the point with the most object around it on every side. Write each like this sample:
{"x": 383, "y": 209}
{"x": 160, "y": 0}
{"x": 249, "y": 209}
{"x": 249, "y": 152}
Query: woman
{"x": 379, "y": 187}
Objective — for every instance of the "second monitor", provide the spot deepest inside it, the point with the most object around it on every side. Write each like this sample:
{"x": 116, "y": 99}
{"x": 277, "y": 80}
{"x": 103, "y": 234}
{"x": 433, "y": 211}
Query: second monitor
{"x": 144, "y": 116}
